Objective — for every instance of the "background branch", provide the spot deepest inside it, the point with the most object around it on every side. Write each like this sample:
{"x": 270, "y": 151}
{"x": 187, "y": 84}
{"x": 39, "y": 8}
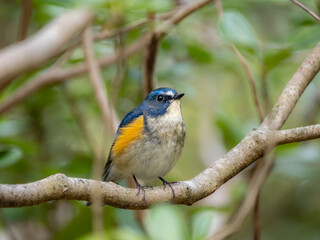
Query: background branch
{"x": 251, "y": 81}
{"x": 149, "y": 63}
{"x": 53, "y": 76}
{"x": 26, "y": 12}
{"x": 16, "y": 59}
{"x": 58, "y": 75}
{"x": 110, "y": 120}
{"x": 312, "y": 14}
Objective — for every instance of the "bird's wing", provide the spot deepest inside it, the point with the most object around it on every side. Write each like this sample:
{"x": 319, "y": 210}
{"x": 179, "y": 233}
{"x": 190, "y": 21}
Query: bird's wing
{"x": 131, "y": 118}
{"x": 132, "y": 115}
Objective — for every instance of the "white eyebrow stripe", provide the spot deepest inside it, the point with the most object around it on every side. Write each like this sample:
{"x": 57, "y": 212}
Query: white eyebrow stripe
{"x": 170, "y": 93}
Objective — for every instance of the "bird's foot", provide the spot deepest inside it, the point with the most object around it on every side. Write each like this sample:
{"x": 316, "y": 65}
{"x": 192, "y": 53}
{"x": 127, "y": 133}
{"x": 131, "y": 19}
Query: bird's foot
{"x": 165, "y": 183}
{"x": 140, "y": 189}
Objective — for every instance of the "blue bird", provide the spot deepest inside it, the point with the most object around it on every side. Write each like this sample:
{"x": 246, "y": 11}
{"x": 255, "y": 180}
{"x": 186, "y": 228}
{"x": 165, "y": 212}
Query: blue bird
{"x": 149, "y": 140}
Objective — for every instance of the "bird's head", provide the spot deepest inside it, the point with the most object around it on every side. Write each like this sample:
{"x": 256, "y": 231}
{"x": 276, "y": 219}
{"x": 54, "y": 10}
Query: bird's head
{"x": 158, "y": 102}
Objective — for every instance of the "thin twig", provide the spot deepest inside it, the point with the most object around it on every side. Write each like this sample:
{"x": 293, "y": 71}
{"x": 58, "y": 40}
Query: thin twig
{"x": 219, "y": 8}
{"x": 251, "y": 81}
{"x": 149, "y": 61}
{"x": 315, "y": 16}
{"x": 25, "y": 19}
{"x": 120, "y": 70}
{"x": 182, "y": 13}
{"x": 108, "y": 112}
{"x": 121, "y": 31}
{"x": 79, "y": 118}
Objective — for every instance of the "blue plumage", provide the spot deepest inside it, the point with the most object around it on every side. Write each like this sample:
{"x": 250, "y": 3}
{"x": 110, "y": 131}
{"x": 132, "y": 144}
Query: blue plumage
{"x": 133, "y": 114}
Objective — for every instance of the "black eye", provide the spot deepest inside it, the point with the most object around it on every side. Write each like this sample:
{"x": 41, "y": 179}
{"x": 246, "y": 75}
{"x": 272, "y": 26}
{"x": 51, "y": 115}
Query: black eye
{"x": 160, "y": 98}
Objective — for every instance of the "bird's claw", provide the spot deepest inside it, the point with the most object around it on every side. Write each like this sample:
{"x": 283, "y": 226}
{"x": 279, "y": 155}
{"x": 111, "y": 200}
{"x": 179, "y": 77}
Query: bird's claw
{"x": 140, "y": 188}
{"x": 165, "y": 183}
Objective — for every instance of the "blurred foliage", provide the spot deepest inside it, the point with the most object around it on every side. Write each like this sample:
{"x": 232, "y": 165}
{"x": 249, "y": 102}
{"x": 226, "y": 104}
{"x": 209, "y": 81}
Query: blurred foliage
{"x": 43, "y": 135}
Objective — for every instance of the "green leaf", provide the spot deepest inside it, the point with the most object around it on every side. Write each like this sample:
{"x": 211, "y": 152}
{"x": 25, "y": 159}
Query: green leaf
{"x": 201, "y": 224}
{"x": 199, "y": 54}
{"x": 9, "y": 155}
{"x": 273, "y": 57}
{"x": 236, "y": 29}
{"x": 166, "y": 222}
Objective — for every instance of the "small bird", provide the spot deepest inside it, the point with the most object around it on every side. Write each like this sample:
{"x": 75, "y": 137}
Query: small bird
{"x": 149, "y": 140}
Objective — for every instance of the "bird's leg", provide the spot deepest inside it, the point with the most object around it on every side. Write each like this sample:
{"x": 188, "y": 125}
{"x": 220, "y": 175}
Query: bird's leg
{"x": 140, "y": 187}
{"x": 165, "y": 183}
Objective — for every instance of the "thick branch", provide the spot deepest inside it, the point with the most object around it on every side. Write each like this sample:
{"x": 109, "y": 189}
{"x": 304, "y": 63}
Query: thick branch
{"x": 188, "y": 192}
{"x": 36, "y": 50}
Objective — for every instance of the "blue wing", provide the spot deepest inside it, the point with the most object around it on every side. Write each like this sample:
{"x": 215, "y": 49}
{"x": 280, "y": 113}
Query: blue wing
{"x": 133, "y": 114}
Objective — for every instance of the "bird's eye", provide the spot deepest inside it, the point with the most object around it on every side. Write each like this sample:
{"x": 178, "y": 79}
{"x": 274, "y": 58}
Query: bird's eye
{"x": 160, "y": 98}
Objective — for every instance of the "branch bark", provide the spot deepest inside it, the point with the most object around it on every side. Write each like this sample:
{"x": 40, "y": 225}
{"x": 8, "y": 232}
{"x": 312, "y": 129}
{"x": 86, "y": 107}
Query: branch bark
{"x": 59, "y": 186}
{"x": 29, "y": 54}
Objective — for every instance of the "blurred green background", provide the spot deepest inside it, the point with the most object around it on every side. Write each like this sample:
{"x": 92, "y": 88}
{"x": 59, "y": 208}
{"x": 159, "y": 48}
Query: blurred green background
{"x": 42, "y": 136}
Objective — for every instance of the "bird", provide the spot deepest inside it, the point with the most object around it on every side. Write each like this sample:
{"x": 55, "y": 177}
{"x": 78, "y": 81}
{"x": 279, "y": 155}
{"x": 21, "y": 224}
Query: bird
{"x": 149, "y": 140}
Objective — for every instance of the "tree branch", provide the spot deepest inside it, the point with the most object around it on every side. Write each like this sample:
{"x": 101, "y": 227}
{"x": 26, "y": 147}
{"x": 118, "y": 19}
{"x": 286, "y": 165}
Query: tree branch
{"x": 315, "y": 16}
{"x": 17, "y": 59}
{"x": 24, "y": 19}
{"x": 251, "y": 81}
{"x": 51, "y": 77}
{"x": 108, "y": 113}
{"x": 57, "y": 187}
{"x": 149, "y": 63}
{"x": 297, "y": 134}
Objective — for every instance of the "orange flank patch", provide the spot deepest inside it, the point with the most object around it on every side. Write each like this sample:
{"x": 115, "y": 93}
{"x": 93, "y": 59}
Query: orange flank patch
{"x": 127, "y": 135}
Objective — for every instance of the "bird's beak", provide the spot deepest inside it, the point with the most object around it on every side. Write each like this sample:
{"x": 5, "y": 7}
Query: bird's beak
{"x": 178, "y": 96}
